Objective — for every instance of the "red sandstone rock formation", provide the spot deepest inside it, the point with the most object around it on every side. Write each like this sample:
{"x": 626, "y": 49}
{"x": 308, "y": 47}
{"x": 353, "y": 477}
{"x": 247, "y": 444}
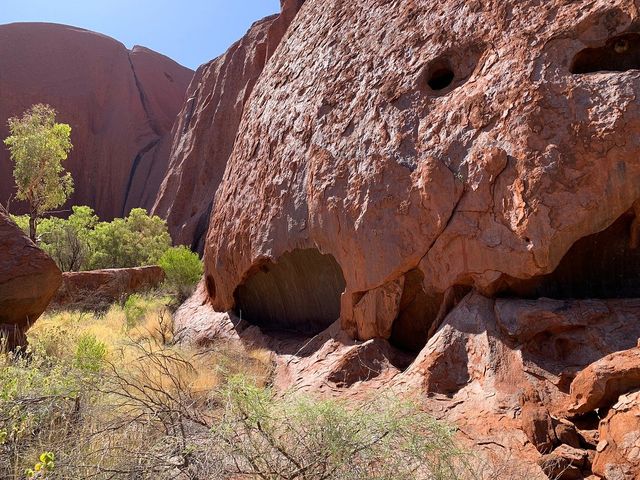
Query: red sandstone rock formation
{"x": 601, "y": 383}
{"x": 103, "y": 287}
{"x": 120, "y": 104}
{"x": 208, "y": 124}
{"x": 475, "y": 148}
{"x": 392, "y": 158}
{"x": 28, "y": 280}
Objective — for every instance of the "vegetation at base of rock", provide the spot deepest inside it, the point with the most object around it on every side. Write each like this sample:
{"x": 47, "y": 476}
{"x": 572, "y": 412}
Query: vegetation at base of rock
{"x": 183, "y": 269}
{"x": 82, "y": 242}
{"x": 38, "y": 146}
{"x": 114, "y": 397}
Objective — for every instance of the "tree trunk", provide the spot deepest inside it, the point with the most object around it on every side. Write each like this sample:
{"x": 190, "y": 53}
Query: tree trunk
{"x": 33, "y": 224}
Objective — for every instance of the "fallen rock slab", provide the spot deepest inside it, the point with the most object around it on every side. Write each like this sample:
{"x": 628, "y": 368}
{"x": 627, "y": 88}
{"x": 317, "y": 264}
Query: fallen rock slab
{"x": 618, "y": 452}
{"x": 100, "y": 288}
{"x": 601, "y": 383}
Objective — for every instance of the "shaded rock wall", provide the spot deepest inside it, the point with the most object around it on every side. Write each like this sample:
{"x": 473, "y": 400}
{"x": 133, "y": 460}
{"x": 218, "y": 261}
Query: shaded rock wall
{"x": 207, "y": 126}
{"x": 120, "y": 104}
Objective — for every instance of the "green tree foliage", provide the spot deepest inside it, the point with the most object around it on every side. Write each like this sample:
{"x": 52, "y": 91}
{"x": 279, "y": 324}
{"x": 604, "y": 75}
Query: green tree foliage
{"x": 137, "y": 240}
{"x": 81, "y": 242}
{"x": 183, "y": 269}
{"x": 69, "y": 241}
{"x": 38, "y": 146}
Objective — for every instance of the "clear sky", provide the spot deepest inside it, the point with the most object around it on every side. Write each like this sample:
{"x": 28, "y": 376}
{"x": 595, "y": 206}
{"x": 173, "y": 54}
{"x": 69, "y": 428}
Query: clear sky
{"x": 191, "y": 32}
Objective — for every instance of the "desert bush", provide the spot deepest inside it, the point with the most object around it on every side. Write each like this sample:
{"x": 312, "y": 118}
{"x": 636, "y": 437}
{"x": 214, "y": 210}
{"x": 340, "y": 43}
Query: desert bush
{"x": 90, "y": 353}
{"x": 81, "y": 242}
{"x": 305, "y": 439}
{"x": 120, "y": 401}
{"x": 183, "y": 269}
{"x": 134, "y": 310}
{"x": 134, "y": 241}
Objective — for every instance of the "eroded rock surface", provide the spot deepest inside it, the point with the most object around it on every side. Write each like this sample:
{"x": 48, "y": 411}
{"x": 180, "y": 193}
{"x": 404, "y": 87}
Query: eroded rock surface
{"x": 98, "y": 288}
{"x": 618, "y": 452}
{"x": 207, "y": 126}
{"x": 469, "y": 147}
{"x": 601, "y": 383}
{"x": 120, "y": 104}
{"x": 28, "y": 280}
{"x": 473, "y": 175}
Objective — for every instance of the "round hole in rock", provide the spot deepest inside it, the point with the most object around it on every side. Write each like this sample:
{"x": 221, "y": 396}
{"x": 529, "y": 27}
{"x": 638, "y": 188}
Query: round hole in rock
{"x": 440, "y": 78}
{"x": 300, "y": 292}
{"x": 619, "y": 54}
{"x": 603, "y": 265}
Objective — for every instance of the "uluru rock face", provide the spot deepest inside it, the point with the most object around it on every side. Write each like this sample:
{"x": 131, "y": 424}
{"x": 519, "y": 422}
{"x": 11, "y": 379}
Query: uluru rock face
{"x": 120, "y": 104}
{"x": 426, "y": 151}
{"x": 455, "y": 181}
{"x": 207, "y": 126}
{"x": 28, "y": 280}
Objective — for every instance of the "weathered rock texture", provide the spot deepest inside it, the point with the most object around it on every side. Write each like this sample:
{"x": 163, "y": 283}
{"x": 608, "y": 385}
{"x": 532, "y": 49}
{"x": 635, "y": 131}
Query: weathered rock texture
{"x": 618, "y": 452}
{"x": 120, "y": 104}
{"x": 474, "y": 148}
{"x": 208, "y": 124}
{"x": 28, "y": 280}
{"x": 103, "y": 287}
{"x": 469, "y": 170}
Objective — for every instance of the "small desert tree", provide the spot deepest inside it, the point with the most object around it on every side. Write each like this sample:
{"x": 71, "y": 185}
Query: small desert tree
{"x": 38, "y": 146}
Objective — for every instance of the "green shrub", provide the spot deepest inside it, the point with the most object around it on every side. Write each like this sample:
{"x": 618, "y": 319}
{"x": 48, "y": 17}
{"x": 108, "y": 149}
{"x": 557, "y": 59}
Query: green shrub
{"x": 305, "y": 439}
{"x": 81, "y": 242}
{"x": 129, "y": 242}
{"x": 90, "y": 354}
{"x": 183, "y": 270}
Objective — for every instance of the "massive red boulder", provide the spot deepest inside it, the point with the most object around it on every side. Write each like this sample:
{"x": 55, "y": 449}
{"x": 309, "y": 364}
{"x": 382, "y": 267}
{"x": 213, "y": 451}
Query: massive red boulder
{"x": 207, "y": 126}
{"x": 120, "y": 104}
{"x": 98, "y": 288}
{"x": 28, "y": 280}
{"x": 421, "y": 150}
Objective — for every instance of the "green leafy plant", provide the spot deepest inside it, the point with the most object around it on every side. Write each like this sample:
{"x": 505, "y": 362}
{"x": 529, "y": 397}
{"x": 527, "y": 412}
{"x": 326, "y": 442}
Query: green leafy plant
{"x": 305, "y": 439}
{"x": 134, "y": 241}
{"x": 43, "y": 467}
{"x": 183, "y": 269}
{"x": 134, "y": 310}
{"x": 90, "y": 354}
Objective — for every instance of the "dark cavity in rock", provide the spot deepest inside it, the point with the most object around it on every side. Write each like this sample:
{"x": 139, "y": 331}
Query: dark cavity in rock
{"x": 619, "y": 54}
{"x": 602, "y": 265}
{"x": 300, "y": 292}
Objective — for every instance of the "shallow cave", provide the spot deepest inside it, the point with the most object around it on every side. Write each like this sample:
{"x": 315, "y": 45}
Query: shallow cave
{"x": 602, "y": 265}
{"x": 300, "y": 293}
{"x": 619, "y": 54}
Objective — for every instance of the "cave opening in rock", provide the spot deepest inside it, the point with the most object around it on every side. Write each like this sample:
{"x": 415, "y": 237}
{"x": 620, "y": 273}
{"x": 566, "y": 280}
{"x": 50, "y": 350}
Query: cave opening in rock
{"x": 602, "y": 265}
{"x": 416, "y": 314}
{"x": 440, "y": 78}
{"x": 619, "y": 54}
{"x": 300, "y": 293}
{"x": 420, "y": 312}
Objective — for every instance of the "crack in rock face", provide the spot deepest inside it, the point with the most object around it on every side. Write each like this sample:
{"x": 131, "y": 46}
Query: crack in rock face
{"x": 467, "y": 150}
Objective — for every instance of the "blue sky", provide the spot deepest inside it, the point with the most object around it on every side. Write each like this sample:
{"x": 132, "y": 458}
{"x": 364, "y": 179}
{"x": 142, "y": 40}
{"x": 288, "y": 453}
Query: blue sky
{"x": 191, "y": 32}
